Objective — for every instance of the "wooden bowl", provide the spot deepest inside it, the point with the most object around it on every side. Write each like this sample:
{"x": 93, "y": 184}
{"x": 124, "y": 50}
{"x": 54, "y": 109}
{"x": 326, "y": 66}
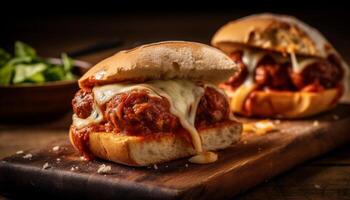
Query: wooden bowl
{"x": 37, "y": 102}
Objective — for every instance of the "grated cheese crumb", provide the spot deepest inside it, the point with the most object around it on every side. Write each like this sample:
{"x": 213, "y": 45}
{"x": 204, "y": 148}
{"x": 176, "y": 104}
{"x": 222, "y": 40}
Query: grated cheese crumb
{"x": 315, "y": 123}
{"x": 155, "y": 166}
{"x": 46, "y": 166}
{"x": 74, "y": 168}
{"x": 317, "y": 186}
{"x": 104, "y": 169}
{"x": 56, "y": 148}
{"x": 335, "y": 117}
{"x": 19, "y": 152}
{"x": 260, "y": 127}
{"x": 186, "y": 165}
{"x": 28, "y": 156}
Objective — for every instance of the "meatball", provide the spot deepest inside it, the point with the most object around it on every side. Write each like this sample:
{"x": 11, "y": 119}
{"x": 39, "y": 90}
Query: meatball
{"x": 212, "y": 108}
{"x": 237, "y": 79}
{"x": 271, "y": 75}
{"x": 82, "y": 103}
{"x": 324, "y": 73}
{"x": 138, "y": 113}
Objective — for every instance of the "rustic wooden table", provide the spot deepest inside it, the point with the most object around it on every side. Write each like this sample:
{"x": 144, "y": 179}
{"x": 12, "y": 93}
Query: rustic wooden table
{"x": 327, "y": 177}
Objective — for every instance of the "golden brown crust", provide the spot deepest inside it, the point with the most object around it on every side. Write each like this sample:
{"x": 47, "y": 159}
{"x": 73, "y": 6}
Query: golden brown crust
{"x": 285, "y": 104}
{"x": 280, "y": 33}
{"x": 164, "y": 60}
{"x": 141, "y": 151}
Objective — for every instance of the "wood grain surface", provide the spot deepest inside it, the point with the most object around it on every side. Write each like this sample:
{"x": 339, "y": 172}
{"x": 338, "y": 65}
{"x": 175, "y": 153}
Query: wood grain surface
{"x": 252, "y": 161}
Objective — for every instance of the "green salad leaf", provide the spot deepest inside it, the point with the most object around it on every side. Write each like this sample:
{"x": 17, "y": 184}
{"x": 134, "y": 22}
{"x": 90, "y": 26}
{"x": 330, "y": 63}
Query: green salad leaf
{"x": 27, "y": 67}
{"x": 55, "y": 73}
{"x": 67, "y": 62}
{"x": 24, "y": 72}
{"x": 24, "y": 50}
{"x": 37, "y": 78}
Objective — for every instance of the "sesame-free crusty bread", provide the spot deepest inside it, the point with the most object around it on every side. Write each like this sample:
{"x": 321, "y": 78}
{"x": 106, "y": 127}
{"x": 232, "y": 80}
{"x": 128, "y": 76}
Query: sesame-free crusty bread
{"x": 143, "y": 151}
{"x": 280, "y": 33}
{"x": 163, "y": 60}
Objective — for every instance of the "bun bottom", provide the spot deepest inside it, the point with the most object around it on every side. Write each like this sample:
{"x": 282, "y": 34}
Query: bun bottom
{"x": 144, "y": 151}
{"x": 285, "y": 104}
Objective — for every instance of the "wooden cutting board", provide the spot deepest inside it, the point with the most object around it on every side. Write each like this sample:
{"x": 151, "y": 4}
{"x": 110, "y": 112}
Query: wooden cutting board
{"x": 254, "y": 159}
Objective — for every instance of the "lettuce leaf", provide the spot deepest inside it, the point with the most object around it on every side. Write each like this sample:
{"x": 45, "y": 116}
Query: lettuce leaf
{"x": 25, "y": 71}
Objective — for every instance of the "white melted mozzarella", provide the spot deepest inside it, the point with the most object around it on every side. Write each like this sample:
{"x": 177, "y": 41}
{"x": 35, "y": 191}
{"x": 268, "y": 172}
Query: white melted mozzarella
{"x": 251, "y": 58}
{"x": 184, "y": 97}
{"x": 103, "y": 94}
{"x": 95, "y": 117}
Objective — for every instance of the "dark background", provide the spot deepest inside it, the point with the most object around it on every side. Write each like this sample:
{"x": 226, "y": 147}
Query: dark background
{"x": 64, "y": 26}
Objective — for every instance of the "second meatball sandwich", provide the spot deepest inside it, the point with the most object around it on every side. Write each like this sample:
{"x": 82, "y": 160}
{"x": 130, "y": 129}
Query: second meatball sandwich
{"x": 288, "y": 69}
{"x": 155, "y": 103}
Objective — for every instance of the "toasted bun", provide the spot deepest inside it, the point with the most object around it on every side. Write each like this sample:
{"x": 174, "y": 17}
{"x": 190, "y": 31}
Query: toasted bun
{"x": 285, "y": 104}
{"x": 139, "y": 151}
{"x": 280, "y": 33}
{"x": 163, "y": 60}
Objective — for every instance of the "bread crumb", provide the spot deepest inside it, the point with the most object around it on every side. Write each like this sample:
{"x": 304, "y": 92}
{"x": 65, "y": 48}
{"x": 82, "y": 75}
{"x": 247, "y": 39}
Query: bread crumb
{"x": 186, "y": 165}
{"x": 28, "y": 156}
{"x": 155, "y": 166}
{"x": 58, "y": 159}
{"x": 166, "y": 166}
{"x": 277, "y": 121}
{"x": 317, "y": 186}
{"x": 46, "y": 166}
{"x": 245, "y": 142}
{"x": 56, "y": 148}
{"x": 19, "y": 152}
{"x": 335, "y": 117}
{"x": 315, "y": 123}
{"x": 104, "y": 169}
{"x": 74, "y": 168}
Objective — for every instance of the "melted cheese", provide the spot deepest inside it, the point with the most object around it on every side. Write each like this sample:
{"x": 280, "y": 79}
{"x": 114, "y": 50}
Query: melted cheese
{"x": 204, "y": 158}
{"x": 103, "y": 94}
{"x": 183, "y": 96}
{"x": 252, "y": 57}
{"x": 95, "y": 117}
{"x": 260, "y": 127}
{"x": 299, "y": 64}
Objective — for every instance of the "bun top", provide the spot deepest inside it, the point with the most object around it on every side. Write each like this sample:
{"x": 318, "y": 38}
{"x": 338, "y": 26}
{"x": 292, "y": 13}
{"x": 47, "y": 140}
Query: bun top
{"x": 282, "y": 33}
{"x": 163, "y": 60}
